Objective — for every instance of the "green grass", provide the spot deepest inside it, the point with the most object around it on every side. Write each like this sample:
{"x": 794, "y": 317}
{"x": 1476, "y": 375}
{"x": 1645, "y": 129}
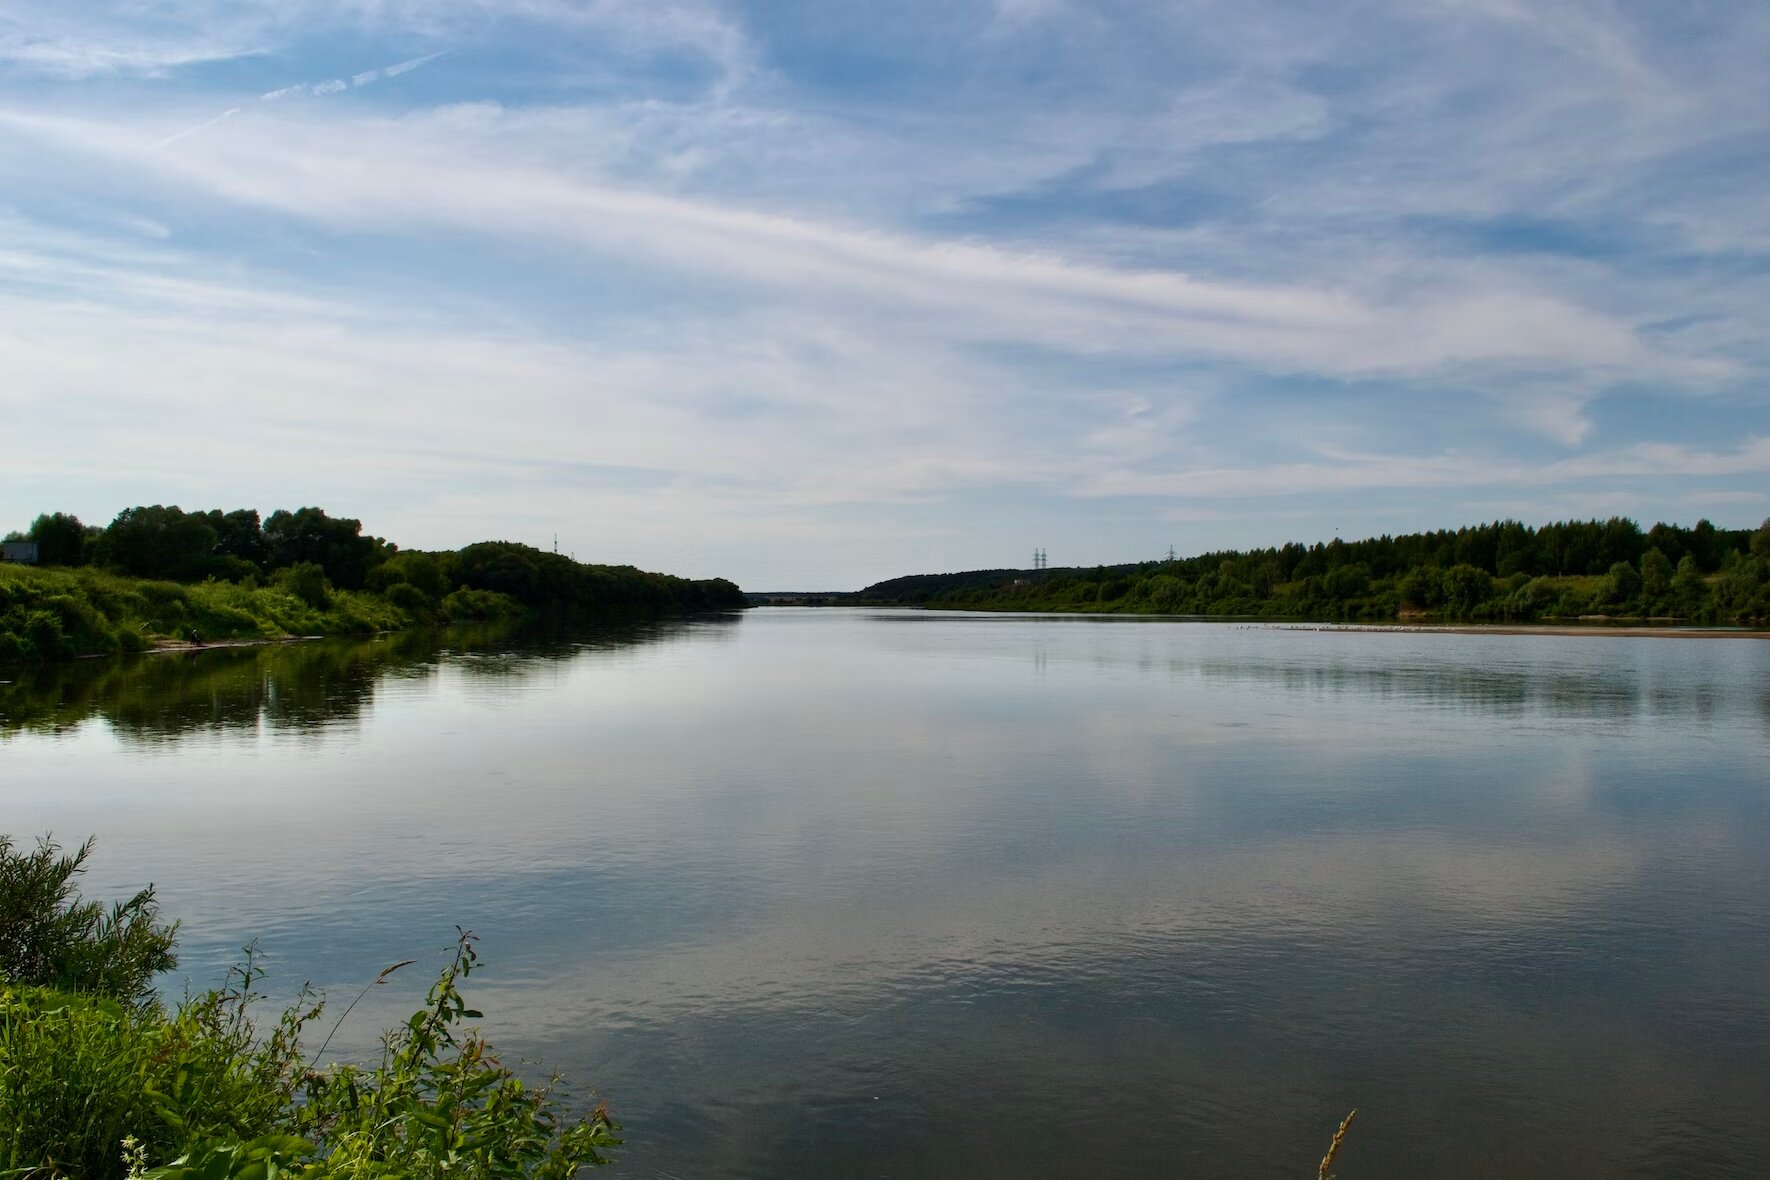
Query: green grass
{"x": 79, "y": 1073}
{"x": 48, "y": 614}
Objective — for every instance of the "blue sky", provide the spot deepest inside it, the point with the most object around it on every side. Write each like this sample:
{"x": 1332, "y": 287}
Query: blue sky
{"x": 813, "y": 294}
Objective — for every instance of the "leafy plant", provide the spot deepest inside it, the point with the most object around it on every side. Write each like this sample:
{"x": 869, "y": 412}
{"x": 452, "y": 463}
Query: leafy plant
{"x": 79, "y": 1074}
{"x": 50, "y": 937}
{"x": 441, "y": 1102}
{"x": 98, "y": 1080}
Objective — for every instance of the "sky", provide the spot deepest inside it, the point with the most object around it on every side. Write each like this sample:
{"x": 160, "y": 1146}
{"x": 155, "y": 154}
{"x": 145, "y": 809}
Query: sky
{"x": 813, "y": 294}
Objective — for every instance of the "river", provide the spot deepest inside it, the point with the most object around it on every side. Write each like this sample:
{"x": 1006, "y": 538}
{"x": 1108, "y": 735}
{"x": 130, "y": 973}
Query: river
{"x": 842, "y": 893}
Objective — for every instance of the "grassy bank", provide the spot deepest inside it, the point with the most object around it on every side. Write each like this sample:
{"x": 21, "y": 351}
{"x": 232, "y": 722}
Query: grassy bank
{"x": 51, "y": 614}
{"x": 48, "y": 614}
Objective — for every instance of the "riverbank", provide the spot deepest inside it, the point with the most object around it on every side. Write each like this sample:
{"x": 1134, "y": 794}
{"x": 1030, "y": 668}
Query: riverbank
{"x": 68, "y": 613}
{"x": 1560, "y": 629}
{"x": 161, "y": 646}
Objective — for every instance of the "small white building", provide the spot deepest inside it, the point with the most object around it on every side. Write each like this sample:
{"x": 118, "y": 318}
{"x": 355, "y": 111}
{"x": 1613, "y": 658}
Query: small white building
{"x": 22, "y": 552}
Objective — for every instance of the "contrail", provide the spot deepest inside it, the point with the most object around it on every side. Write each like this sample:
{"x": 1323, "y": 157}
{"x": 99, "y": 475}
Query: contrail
{"x": 356, "y": 80}
{"x": 406, "y": 67}
{"x": 317, "y": 88}
{"x": 227, "y": 114}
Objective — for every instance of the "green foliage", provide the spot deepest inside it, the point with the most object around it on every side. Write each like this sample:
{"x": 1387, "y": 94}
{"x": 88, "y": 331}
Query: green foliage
{"x": 60, "y": 538}
{"x": 53, "y": 614}
{"x": 158, "y": 542}
{"x": 80, "y": 1073}
{"x": 440, "y": 1102}
{"x": 411, "y": 601}
{"x": 161, "y": 573}
{"x": 306, "y": 580}
{"x": 50, "y": 937}
{"x": 1656, "y": 579}
{"x": 1623, "y": 584}
{"x": 478, "y": 604}
{"x": 99, "y": 1081}
{"x": 1503, "y": 571}
{"x": 239, "y": 538}
{"x": 335, "y": 544}
{"x": 413, "y": 568}
{"x": 552, "y": 581}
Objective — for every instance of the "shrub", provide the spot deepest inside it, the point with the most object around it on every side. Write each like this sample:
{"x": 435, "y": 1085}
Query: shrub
{"x": 438, "y": 1104}
{"x": 466, "y": 603}
{"x": 306, "y": 580}
{"x": 50, "y": 937}
{"x": 43, "y": 631}
{"x": 409, "y": 598}
{"x": 98, "y": 1080}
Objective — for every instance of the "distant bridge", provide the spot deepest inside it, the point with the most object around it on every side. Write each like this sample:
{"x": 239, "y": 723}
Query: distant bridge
{"x": 798, "y": 597}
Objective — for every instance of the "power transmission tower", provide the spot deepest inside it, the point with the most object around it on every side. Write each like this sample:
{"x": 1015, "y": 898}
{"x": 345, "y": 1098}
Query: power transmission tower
{"x": 1170, "y": 553}
{"x": 1038, "y": 559}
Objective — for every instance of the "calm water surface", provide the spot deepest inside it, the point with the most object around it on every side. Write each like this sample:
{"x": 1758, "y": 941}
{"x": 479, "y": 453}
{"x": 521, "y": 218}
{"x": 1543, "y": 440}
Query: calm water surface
{"x": 830, "y": 893}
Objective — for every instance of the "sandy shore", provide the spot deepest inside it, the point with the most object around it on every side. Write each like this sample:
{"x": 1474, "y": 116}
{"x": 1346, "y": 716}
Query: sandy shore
{"x": 1588, "y": 629}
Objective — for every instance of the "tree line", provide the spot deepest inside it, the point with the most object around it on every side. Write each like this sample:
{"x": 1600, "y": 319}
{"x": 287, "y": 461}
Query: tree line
{"x": 171, "y": 544}
{"x": 1505, "y": 571}
{"x": 157, "y": 572}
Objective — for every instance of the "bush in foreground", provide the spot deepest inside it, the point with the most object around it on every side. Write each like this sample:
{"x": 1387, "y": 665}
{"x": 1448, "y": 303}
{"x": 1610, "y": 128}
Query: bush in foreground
{"x": 99, "y": 1080}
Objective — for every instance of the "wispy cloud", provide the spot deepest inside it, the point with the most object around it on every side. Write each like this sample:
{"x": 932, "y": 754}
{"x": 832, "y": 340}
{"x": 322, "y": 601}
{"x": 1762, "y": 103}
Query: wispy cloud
{"x": 413, "y": 173}
{"x": 1406, "y": 472}
{"x": 76, "y": 58}
{"x": 189, "y": 131}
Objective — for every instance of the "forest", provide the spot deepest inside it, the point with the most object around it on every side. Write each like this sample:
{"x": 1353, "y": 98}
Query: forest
{"x": 156, "y": 574}
{"x": 1499, "y": 572}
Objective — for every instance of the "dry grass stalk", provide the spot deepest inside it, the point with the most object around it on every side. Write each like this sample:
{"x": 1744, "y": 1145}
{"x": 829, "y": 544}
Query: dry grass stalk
{"x": 1327, "y": 1161}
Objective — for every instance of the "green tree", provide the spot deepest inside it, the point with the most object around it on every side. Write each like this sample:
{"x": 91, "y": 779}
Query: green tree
{"x": 1347, "y": 581}
{"x": 1464, "y": 588}
{"x": 239, "y": 535}
{"x": 412, "y": 567}
{"x": 1656, "y": 576}
{"x": 1422, "y": 587}
{"x": 306, "y": 580}
{"x": 1689, "y": 588}
{"x": 1622, "y": 584}
{"x": 1705, "y": 546}
{"x": 336, "y": 544}
{"x": 60, "y": 538}
{"x": 159, "y": 542}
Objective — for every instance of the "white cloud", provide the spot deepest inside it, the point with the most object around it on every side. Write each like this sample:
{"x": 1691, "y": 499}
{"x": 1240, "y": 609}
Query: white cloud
{"x": 435, "y": 172}
{"x": 1061, "y": 272}
{"x": 75, "y": 59}
{"x": 1343, "y": 472}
